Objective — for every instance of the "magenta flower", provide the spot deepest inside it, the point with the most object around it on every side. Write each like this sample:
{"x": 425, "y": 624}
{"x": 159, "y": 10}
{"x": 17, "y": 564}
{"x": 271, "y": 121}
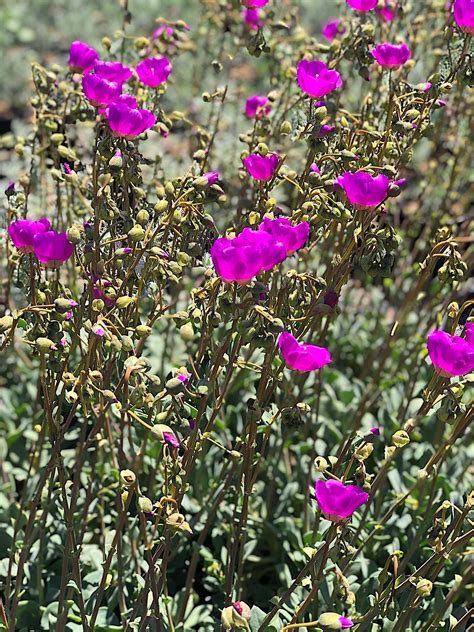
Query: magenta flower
{"x": 314, "y": 168}
{"x": 154, "y": 71}
{"x": 52, "y": 248}
{"x": 338, "y": 501}
{"x": 123, "y": 98}
{"x": 325, "y": 130}
{"x": 282, "y": 231}
{"x": 82, "y": 57}
{"x": 452, "y": 355}
{"x": 315, "y": 78}
{"x": 112, "y": 71}
{"x": 254, "y": 4}
{"x": 256, "y": 107}
{"x": 301, "y": 357}
{"x": 362, "y": 5}
{"x": 244, "y": 257}
{"x": 100, "y": 91}
{"x": 332, "y": 29}
{"x": 212, "y": 177}
{"x": 464, "y": 15}
{"x": 128, "y": 122}
{"x": 252, "y": 18}
{"x": 163, "y": 29}
{"x": 23, "y": 231}
{"x": 391, "y": 55}
{"x": 363, "y": 190}
{"x": 345, "y": 622}
{"x": 261, "y": 167}
{"x": 389, "y": 11}
{"x": 170, "y": 439}
{"x": 375, "y": 431}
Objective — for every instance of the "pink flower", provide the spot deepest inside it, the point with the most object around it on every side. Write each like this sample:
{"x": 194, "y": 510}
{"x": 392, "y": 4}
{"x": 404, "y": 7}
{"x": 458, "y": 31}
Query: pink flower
{"x": 391, "y": 55}
{"x": 23, "y": 231}
{"x": 244, "y": 257}
{"x": 82, "y": 57}
{"x": 464, "y": 15}
{"x": 252, "y": 18}
{"x": 301, "y": 357}
{"x": 315, "y": 169}
{"x": 256, "y": 107}
{"x": 452, "y": 355}
{"x": 282, "y": 231}
{"x": 52, "y": 248}
{"x": 123, "y": 98}
{"x": 100, "y": 91}
{"x": 375, "y": 431}
{"x": 389, "y": 11}
{"x": 363, "y": 190}
{"x": 154, "y": 71}
{"x": 212, "y": 177}
{"x": 362, "y": 5}
{"x": 338, "y": 501}
{"x": 345, "y": 622}
{"x": 315, "y": 78}
{"x": 325, "y": 130}
{"x": 128, "y": 122}
{"x": 254, "y": 4}
{"x": 112, "y": 71}
{"x": 261, "y": 167}
{"x": 332, "y": 29}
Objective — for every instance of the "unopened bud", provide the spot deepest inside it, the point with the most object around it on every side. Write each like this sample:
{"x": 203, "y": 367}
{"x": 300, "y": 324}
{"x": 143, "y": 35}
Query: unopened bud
{"x": 400, "y": 439}
{"x": 424, "y": 588}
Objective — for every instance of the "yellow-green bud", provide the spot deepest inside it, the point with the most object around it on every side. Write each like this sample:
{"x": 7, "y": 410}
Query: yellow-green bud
{"x": 44, "y": 344}
{"x": 331, "y": 621}
{"x": 186, "y": 332}
{"x": 127, "y": 478}
{"x": 424, "y": 588}
{"x": 400, "y": 438}
{"x": 321, "y": 464}
{"x": 285, "y": 128}
{"x": 136, "y": 233}
{"x": 74, "y": 234}
{"x": 57, "y": 139}
{"x": 145, "y": 504}
{"x": 143, "y": 330}
{"x": 5, "y": 323}
{"x": 142, "y": 217}
{"x": 116, "y": 163}
{"x": 124, "y": 301}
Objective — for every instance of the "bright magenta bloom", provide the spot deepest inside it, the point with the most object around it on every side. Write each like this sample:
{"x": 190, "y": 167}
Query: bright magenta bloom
{"x": 112, "y": 71}
{"x": 363, "y": 190}
{"x": 171, "y": 440}
{"x": 389, "y": 11}
{"x": 282, "y": 231}
{"x": 338, "y": 501}
{"x": 82, "y": 57}
{"x": 261, "y": 167}
{"x": 301, "y": 357}
{"x": 391, "y": 55}
{"x": 128, "y": 122}
{"x": 345, "y": 622}
{"x": 23, "y": 231}
{"x": 212, "y": 177}
{"x": 452, "y": 355}
{"x": 52, "y": 248}
{"x": 154, "y": 71}
{"x": 315, "y": 78}
{"x": 123, "y": 98}
{"x": 464, "y": 15}
{"x": 100, "y": 91}
{"x": 331, "y": 30}
{"x": 256, "y": 107}
{"x": 362, "y": 5}
{"x": 252, "y": 18}
{"x": 244, "y": 257}
{"x": 254, "y": 4}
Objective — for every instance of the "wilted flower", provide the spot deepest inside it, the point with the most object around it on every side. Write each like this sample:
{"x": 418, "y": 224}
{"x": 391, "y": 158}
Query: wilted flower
{"x": 302, "y": 357}
{"x": 243, "y": 257}
{"x": 261, "y": 167}
{"x": 282, "y": 231}
{"x": 252, "y": 18}
{"x": 464, "y": 15}
{"x": 452, "y": 355}
{"x": 23, "y": 231}
{"x": 391, "y": 55}
{"x": 254, "y": 4}
{"x": 363, "y": 190}
{"x": 112, "y": 71}
{"x": 362, "y": 5}
{"x": 332, "y": 29}
{"x": 338, "y": 501}
{"x": 315, "y": 78}
{"x": 100, "y": 91}
{"x": 128, "y": 122}
{"x": 256, "y": 107}
{"x": 154, "y": 71}
{"x": 331, "y": 298}
{"x": 82, "y": 57}
{"x": 52, "y": 248}
{"x": 334, "y": 621}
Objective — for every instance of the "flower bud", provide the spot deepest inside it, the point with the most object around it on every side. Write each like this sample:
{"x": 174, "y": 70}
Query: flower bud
{"x": 136, "y": 233}
{"x": 145, "y": 504}
{"x": 143, "y": 330}
{"x": 124, "y": 301}
{"x": 161, "y": 206}
{"x": 186, "y": 332}
{"x": 331, "y": 620}
{"x": 6, "y": 323}
{"x": 74, "y": 234}
{"x": 321, "y": 464}
{"x": 127, "y": 478}
{"x": 400, "y": 439}
{"x": 424, "y": 588}
{"x": 44, "y": 344}
{"x": 285, "y": 128}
